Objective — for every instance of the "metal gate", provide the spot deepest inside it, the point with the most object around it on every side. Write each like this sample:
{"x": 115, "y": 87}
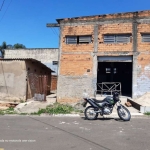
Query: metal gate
{"x": 37, "y": 86}
{"x": 108, "y": 87}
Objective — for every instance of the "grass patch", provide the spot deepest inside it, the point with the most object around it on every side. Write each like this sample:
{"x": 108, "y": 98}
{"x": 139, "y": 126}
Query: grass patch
{"x": 147, "y": 113}
{"x": 57, "y": 108}
{"x": 8, "y": 111}
{"x": 1, "y": 112}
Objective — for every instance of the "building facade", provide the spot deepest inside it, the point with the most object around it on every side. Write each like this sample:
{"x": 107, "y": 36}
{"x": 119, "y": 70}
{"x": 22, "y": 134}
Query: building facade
{"x": 21, "y": 79}
{"x": 47, "y": 56}
{"x": 103, "y": 48}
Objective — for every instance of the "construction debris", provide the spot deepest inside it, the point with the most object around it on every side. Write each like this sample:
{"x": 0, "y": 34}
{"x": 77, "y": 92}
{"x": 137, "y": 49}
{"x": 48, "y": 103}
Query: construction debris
{"x": 128, "y": 104}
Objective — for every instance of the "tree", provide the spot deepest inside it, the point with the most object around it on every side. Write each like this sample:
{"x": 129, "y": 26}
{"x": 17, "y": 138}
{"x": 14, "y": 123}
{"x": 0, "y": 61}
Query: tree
{"x": 2, "y": 49}
{"x": 5, "y": 46}
{"x": 18, "y": 46}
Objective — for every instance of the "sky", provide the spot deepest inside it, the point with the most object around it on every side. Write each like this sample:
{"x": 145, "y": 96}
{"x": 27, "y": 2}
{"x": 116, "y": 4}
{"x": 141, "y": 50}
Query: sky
{"x": 24, "y": 21}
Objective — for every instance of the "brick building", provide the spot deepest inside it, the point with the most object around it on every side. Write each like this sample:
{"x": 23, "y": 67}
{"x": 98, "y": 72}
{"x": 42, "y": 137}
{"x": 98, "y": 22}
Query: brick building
{"x": 103, "y": 48}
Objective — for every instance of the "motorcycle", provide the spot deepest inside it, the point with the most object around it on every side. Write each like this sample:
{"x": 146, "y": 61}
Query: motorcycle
{"x": 105, "y": 107}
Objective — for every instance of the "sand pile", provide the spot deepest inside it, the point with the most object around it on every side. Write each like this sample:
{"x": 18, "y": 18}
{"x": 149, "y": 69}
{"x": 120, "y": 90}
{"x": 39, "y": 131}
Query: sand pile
{"x": 144, "y": 100}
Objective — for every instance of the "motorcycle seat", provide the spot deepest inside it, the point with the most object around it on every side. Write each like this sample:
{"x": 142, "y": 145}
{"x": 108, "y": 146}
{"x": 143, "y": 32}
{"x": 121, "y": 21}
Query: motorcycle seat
{"x": 98, "y": 101}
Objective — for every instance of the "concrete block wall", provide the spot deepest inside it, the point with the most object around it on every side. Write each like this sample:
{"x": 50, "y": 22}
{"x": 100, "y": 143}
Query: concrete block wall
{"x": 12, "y": 80}
{"x": 46, "y": 56}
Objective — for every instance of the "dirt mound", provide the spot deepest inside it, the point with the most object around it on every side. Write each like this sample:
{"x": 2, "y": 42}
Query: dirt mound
{"x": 144, "y": 100}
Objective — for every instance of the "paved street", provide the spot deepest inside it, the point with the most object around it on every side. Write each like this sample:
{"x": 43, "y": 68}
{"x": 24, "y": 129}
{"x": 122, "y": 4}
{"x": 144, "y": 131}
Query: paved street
{"x": 66, "y": 133}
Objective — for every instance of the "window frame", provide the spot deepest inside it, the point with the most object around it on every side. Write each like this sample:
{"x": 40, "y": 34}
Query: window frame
{"x": 114, "y": 38}
{"x": 55, "y": 62}
{"x": 146, "y": 40}
{"x": 79, "y": 39}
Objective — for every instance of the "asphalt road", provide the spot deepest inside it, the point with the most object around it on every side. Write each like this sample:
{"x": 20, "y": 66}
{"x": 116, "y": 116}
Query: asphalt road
{"x": 73, "y": 133}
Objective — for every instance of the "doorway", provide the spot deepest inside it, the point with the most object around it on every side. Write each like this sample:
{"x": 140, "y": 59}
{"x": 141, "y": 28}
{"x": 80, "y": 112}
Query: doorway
{"x": 116, "y": 72}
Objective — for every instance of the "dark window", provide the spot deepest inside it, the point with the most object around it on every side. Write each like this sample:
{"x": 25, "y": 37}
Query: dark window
{"x": 55, "y": 62}
{"x": 145, "y": 37}
{"x": 120, "y": 38}
{"x": 108, "y": 70}
{"x": 71, "y": 40}
{"x": 83, "y": 39}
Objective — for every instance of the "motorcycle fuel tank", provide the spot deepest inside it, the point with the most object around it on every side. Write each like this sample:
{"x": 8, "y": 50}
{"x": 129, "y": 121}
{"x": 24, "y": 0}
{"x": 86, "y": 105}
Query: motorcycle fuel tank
{"x": 109, "y": 99}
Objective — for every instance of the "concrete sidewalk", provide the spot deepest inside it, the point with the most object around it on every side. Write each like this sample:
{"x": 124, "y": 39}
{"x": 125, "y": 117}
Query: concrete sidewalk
{"x": 32, "y": 106}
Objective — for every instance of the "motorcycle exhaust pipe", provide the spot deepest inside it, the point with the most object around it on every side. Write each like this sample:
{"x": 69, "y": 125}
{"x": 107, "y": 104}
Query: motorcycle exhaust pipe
{"x": 98, "y": 111}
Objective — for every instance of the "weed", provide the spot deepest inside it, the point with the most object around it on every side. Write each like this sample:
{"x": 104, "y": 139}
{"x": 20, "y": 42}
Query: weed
{"x": 147, "y": 113}
{"x": 7, "y": 111}
{"x": 57, "y": 109}
{"x": 1, "y": 112}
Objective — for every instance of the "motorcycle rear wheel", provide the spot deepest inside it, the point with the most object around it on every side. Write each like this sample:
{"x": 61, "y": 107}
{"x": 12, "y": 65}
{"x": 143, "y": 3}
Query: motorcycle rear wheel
{"x": 124, "y": 113}
{"x": 90, "y": 113}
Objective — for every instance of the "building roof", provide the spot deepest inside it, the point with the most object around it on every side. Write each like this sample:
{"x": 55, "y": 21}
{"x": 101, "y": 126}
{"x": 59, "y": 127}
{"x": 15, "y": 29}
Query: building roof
{"x": 33, "y": 49}
{"x": 125, "y": 14}
{"x": 27, "y": 59}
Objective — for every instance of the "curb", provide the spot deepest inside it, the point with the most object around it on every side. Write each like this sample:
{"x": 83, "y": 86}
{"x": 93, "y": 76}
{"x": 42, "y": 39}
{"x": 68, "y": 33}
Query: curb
{"x": 74, "y": 115}
{"x": 116, "y": 116}
{"x": 42, "y": 115}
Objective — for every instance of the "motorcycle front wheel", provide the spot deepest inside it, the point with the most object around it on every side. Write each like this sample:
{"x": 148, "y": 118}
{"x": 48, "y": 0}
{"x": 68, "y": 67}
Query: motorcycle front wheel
{"x": 124, "y": 113}
{"x": 90, "y": 113}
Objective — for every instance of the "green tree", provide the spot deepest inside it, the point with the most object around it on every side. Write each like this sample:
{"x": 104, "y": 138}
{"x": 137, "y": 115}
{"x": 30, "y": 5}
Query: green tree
{"x": 2, "y": 49}
{"x": 18, "y": 46}
{"x": 5, "y": 46}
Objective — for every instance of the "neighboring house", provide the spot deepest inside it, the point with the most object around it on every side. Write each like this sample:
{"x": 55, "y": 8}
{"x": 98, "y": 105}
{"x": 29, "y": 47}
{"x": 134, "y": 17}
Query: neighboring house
{"x": 47, "y": 56}
{"x": 103, "y": 48}
{"x": 22, "y": 79}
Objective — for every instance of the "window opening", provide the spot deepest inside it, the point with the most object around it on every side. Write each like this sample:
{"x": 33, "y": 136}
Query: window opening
{"x": 120, "y": 38}
{"x": 83, "y": 39}
{"x": 55, "y": 62}
{"x": 108, "y": 70}
{"x": 145, "y": 37}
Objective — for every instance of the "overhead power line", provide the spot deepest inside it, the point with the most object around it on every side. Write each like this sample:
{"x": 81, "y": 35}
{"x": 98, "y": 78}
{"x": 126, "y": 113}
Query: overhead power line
{"x": 2, "y": 5}
{"x": 5, "y": 10}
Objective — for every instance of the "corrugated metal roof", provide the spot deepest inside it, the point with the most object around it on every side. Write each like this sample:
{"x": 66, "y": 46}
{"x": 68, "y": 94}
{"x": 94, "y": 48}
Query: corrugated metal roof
{"x": 26, "y": 59}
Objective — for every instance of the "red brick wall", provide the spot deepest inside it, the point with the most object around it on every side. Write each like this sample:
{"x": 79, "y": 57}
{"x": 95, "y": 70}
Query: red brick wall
{"x": 75, "y": 64}
{"x": 77, "y": 30}
{"x": 77, "y": 59}
{"x": 119, "y": 28}
{"x": 143, "y": 28}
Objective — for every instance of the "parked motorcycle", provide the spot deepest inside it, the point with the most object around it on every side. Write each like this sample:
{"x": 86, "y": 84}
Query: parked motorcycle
{"x": 105, "y": 107}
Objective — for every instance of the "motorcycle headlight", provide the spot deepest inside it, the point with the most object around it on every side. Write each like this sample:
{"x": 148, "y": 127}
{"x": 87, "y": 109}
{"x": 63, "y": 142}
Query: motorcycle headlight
{"x": 85, "y": 95}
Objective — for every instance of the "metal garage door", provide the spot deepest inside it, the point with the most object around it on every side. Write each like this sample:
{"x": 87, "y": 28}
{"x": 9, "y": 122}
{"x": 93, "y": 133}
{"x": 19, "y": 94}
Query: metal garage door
{"x": 114, "y": 59}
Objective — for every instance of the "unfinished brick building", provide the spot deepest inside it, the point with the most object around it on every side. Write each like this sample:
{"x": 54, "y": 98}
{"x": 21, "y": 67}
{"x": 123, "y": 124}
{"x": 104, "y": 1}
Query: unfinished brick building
{"x": 103, "y": 48}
